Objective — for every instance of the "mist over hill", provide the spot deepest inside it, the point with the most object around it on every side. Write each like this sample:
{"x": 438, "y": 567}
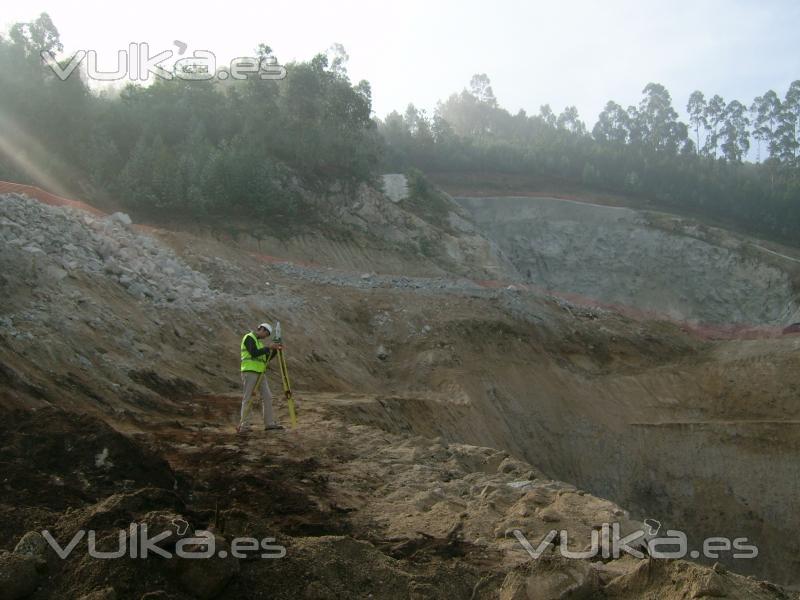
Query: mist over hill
{"x": 251, "y": 146}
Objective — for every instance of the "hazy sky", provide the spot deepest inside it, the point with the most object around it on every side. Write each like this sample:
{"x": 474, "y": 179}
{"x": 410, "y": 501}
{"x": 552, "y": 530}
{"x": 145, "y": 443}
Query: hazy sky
{"x": 577, "y": 52}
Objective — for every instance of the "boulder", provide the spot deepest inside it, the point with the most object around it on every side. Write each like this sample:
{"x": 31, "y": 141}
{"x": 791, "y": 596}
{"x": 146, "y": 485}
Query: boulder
{"x": 121, "y": 218}
{"x": 395, "y": 186}
{"x": 55, "y": 273}
{"x": 32, "y": 544}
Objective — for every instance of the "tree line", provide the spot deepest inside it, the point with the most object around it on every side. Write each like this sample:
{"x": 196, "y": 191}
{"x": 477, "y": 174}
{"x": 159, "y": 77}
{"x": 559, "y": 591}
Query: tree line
{"x": 255, "y": 147}
{"x": 643, "y": 150}
{"x": 178, "y": 147}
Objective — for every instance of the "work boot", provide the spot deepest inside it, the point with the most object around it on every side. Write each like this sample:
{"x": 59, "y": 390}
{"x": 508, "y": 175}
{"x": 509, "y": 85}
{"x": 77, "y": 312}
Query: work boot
{"x": 273, "y": 427}
{"x": 242, "y": 429}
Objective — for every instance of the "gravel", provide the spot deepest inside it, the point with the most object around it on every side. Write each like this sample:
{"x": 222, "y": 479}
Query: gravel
{"x": 72, "y": 240}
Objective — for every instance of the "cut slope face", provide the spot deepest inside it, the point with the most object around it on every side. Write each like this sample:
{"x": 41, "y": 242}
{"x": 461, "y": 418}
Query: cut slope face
{"x": 635, "y": 411}
{"x": 366, "y": 230}
{"x": 651, "y": 261}
{"x": 703, "y": 438}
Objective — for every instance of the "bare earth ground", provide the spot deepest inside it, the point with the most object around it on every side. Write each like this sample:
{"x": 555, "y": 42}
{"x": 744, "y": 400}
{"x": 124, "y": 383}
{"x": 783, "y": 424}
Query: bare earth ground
{"x": 407, "y": 474}
{"x": 362, "y": 512}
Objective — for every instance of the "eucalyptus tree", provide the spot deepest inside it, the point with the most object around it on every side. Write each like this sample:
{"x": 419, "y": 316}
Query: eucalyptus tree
{"x": 765, "y": 112}
{"x": 696, "y": 108}
{"x": 714, "y": 118}
{"x": 735, "y": 134}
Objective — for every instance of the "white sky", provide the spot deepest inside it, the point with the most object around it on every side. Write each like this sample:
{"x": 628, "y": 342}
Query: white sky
{"x": 569, "y": 52}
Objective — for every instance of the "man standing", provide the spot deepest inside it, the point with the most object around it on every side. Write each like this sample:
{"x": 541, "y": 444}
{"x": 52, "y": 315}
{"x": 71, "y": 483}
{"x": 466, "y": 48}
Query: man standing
{"x": 255, "y": 360}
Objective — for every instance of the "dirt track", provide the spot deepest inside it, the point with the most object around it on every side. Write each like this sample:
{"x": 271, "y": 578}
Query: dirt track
{"x": 361, "y": 511}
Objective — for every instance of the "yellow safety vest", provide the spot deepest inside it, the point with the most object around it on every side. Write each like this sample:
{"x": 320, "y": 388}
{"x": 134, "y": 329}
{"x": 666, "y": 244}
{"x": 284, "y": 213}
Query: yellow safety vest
{"x": 253, "y": 363}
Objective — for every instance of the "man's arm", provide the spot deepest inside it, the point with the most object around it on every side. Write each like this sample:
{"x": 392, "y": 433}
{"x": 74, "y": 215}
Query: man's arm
{"x": 250, "y": 344}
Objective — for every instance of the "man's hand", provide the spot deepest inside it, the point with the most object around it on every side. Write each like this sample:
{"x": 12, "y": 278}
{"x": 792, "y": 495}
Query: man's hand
{"x": 274, "y": 346}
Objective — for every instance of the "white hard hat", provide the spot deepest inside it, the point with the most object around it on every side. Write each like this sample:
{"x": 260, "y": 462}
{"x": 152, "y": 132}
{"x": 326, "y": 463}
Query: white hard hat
{"x": 267, "y": 326}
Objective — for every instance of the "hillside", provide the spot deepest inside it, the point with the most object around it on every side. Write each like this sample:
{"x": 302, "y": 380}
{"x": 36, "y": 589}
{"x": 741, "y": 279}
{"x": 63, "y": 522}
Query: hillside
{"x": 447, "y": 397}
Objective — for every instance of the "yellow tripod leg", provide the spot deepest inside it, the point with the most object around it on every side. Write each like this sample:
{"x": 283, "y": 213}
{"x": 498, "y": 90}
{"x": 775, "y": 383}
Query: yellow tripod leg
{"x": 287, "y": 388}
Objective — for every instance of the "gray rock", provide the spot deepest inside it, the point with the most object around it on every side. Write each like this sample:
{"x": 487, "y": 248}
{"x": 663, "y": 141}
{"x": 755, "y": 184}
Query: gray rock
{"x": 55, "y": 273}
{"x": 33, "y": 249}
{"x": 80, "y": 242}
{"x": 112, "y": 267}
{"x": 121, "y": 218}
{"x": 106, "y": 248}
{"x": 31, "y": 544}
{"x": 395, "y": 186}
{"x": 137, "y": 290}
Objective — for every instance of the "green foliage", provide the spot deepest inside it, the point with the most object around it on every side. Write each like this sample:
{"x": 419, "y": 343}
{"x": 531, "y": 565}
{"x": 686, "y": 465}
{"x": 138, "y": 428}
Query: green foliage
{"x": 643, "y": 150}
{"x": 182, "y": 148}
{"x": 425, "y": 200}
{"x": 41, "y": 117}
{"x": 430, "y": 248}
{"x": 418, "y": 184}
{"x": 218, "y": 149}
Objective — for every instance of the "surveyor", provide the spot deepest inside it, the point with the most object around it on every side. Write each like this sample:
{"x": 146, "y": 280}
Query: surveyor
{"x": 255, "y": 356}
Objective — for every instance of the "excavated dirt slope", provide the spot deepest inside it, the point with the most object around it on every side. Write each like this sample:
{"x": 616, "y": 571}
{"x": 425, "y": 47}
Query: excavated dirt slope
{"x": 437, "y": 416}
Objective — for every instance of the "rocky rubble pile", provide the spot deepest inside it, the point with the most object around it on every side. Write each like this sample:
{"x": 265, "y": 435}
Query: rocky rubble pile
{"x": 60, "y": 240}
{"x": 329, "y": 276}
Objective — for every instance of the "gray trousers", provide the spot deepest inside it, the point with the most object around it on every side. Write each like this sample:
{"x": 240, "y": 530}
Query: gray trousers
{"x": 249, "y": 379}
